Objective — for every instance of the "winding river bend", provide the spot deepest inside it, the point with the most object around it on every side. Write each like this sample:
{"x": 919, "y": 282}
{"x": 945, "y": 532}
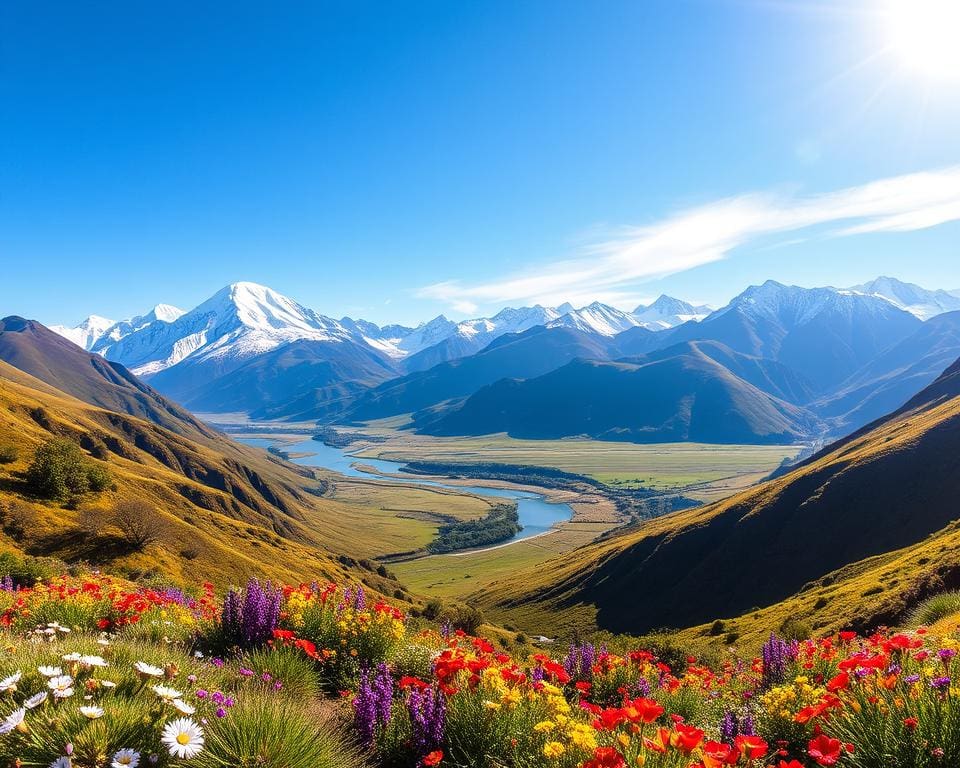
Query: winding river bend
{"x": 536, "y": 514}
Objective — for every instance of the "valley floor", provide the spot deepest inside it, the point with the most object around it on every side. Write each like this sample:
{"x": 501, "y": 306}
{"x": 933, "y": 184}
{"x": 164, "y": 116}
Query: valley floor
{"x": 401, "y": 517}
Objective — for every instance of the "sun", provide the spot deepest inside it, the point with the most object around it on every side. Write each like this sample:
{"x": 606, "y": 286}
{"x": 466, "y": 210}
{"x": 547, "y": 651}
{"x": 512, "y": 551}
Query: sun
{"x": 926, "y": 35}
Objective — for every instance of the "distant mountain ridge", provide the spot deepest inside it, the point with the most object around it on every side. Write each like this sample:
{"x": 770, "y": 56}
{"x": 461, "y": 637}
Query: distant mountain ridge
{"x": 842, "y": 355}
{"x": 683, "y": 393}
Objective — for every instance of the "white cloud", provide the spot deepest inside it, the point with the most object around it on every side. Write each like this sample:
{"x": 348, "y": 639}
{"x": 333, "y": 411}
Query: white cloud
{"x": 614, "y": 266}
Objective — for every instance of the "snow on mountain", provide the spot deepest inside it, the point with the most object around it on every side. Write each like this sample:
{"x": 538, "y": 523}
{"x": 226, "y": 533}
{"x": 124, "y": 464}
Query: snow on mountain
{"x": 668, "y": 312}
{"x": 921, "y": 302}
{"x": 97, "y": 334}
{"x": 87, "y": 333}
{"x": 795, "y": 306}
{"x": 235, "y": 324}
{"x": 597, "y": 318}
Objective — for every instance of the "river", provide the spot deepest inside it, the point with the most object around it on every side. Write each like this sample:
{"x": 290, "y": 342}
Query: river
{"x": 536, "y": 514}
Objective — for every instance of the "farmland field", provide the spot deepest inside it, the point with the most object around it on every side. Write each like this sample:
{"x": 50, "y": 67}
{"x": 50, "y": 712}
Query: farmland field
{"x": 703, "y": 472}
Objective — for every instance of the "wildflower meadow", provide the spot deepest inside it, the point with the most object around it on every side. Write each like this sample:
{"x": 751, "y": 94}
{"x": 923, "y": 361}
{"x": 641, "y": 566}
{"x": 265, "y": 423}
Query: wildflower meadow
{"x": 97, "y": 672}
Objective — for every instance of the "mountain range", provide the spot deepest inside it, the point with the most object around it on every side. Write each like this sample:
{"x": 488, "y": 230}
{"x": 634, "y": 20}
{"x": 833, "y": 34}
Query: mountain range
{"x": 835, "y": 358}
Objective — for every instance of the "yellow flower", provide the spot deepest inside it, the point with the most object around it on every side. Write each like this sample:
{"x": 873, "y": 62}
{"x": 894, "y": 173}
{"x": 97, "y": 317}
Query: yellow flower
{"x": 624, "y": 739}
{"x": 493, "y": 706}
{"x": 583, "y": 736}
{"x": 553, "y": 749}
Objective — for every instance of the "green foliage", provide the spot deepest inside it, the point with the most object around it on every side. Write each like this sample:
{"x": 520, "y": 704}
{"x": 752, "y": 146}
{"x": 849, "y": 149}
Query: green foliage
{"x": 9, "y": 453}
{"x": 295, "y": 672}
{"x": 268, "y": 733}
{"x": 931, "y": 610}
{"x": 464, "y": 617}
{"x": 501, "y": 524}
{"x": 60, "y": 469}
{"x": 795, "y": 629}
{"x": 26, "y": 571}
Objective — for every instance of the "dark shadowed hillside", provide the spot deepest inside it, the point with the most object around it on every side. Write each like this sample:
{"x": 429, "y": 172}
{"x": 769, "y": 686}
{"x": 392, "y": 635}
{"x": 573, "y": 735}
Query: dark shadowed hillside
{"x": 520, "y": 355}
{"x": 679, "y": 394}
{"x": 886, "y": 488}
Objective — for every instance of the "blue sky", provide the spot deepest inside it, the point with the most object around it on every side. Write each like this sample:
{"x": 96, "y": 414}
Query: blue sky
{"x": 395, "y": 160}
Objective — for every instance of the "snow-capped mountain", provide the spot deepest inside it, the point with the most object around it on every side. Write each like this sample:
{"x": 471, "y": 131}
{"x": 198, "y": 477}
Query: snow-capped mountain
{"x": 918, "y": 301}
{"x": 97, "y": 334}
{"x": 597, "y": 318}
{"x": 235, "y": 324}
{"x": 823, "y": 333}
{"x": 87, "y": 333}
{"x": 668, "y": 312}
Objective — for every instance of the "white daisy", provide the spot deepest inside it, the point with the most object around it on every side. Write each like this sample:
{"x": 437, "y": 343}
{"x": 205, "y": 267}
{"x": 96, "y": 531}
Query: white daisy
{"x": 72, "y": 657}
{"x": 10, "y": 683}
{"x": 183, "y": 737}
{"x": 148, "y": 670}
{"x": 126, "y": 757}
{"x": 108, "y": 684}
{"x": 36, "y": 700}
{"x": 61, "y": 686}
{"x": 13, "y": 720}
{"x": 165, "y": 693}
{"x": 50, "y": 671}
{"x": 182, "y": 707}
{"x": 93, "y": 661}
{"x": 91, "y": 713}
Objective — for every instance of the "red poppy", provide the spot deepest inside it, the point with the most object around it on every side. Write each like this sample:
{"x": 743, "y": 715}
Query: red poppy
{"x": 433, "y": 758}
{"x": 839, "y": 683}
{"x": 826, "y": 750}
{"x": 605, "y": 757}
{"x": 750, "y": 747}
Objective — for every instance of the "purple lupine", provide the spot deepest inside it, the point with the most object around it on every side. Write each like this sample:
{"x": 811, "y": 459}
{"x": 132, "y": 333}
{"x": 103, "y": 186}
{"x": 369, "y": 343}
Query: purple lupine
{"x": 775, "y": 654}
{"x": 383, "y": 687}
{"x": 446, "y": 629}
{"x": 536, "y": 674}
{"x": 359, "y": 600}
{"x": 248, "y": 620}
{"x": 6, "y": 584}
{"x": 579, "y": 661}
{"x": 373, "y": 702}
{"x": 174, "y": 595}
{"x": 747, "y": 726}
{"x": 729, "y": 727}
{"x": 643, "y": 687}
{"x": 427, "y": 709}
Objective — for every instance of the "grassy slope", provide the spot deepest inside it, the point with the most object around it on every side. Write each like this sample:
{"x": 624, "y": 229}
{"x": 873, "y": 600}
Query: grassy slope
{"x": 230, "y": 510}
{"x": 871, "y": 501}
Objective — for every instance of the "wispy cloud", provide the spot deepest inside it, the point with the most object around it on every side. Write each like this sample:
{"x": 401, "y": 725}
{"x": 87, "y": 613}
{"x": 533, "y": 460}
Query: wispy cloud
{"x": 610, "y": 269}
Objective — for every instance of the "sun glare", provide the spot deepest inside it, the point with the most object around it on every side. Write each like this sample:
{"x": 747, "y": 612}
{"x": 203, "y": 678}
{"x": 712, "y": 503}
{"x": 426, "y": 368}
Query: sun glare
{"x": 926, "y": 35}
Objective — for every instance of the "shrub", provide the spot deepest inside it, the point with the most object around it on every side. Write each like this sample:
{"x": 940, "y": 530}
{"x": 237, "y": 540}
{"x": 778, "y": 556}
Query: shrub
{"x": 795, "y": 629}
{"x": 432, "y": 610}
{"x": 931, "y": 610}
{"x": 60, "y": 468}
{"x": 19, "y": 518}
{"x": 464, "y": 617}
{"x": 23, "y": 571}
{"x": 139, "y": 523}
{"x": 9, "y": 453}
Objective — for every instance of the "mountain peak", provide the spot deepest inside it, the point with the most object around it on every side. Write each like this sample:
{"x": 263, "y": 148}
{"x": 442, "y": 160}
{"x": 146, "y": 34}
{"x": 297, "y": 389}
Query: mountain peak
{"x": 912, "y": 298}
{"x": 166, "y": 313}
